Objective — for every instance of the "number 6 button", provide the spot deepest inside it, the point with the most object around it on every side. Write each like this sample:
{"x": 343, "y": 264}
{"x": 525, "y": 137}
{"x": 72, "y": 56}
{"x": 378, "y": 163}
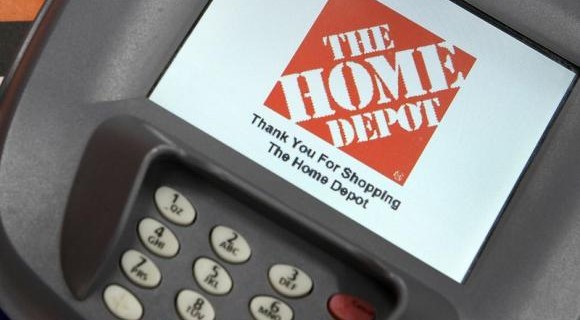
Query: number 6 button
{"x": 269, "y": 308}
{"x": 174, "y": 206}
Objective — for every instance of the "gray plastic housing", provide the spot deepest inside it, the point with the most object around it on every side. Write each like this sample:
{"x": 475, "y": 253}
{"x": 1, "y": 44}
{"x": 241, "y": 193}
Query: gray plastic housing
{"x": 91, "y": 61}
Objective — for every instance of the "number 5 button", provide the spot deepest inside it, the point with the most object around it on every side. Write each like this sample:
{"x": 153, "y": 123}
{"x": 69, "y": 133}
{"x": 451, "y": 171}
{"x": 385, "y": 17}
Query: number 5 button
{"x": 212, "y": 277}
{"x": 174, "y": 206}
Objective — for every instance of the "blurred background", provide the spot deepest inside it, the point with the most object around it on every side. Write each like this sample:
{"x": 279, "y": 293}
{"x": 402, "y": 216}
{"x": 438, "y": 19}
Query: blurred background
{"x": 16, "y": 17}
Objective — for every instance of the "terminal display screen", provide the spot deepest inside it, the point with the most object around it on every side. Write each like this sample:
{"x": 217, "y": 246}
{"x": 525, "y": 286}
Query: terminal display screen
{"x": 413, "y": 118}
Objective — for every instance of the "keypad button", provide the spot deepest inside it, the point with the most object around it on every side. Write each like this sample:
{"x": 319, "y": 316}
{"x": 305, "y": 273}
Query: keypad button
{"x": 212, "y": 277}
{"x": 230, "y": 245}
{"x": 290, "y": 281}
{"x": 174, "y": 206}
{"x": 268, "y": 308}
{"x": 140, "y": 269}
{"x": 157, "y": 238}
{"x": 346, "y": 307}
{"x": 122, "y": 303}
{"x": 191, "y": 305}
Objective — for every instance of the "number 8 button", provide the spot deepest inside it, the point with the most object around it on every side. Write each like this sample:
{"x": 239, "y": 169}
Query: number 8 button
{"x": 174, "y": 206}
{"x": 193, "y": 306}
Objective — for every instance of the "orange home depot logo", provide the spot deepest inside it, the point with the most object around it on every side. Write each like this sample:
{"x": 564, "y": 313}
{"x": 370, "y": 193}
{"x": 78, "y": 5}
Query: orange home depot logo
{"x": 371, "y": 82}
{"x": 19, "y": 10}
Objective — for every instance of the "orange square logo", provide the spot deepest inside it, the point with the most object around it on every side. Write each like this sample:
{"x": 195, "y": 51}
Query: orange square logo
{"x": 372, "y": 83}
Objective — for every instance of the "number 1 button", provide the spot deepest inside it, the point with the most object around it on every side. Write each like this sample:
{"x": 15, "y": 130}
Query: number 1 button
{"x": 174, "y": 206}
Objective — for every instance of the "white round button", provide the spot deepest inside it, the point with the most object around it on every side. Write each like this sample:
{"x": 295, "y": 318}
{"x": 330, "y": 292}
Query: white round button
{"x": 229, "y": 245}
{"x": 122, "y": 303}
{"x": 140, "y": 269}
{"x": 212, "y": 277}
{"x": 174, "y": 206}
{"x": 290, "y": 281}
{"x": 157, "y": 238}
{"x": 193, "y": 306}
{"x": 268, "y": 308}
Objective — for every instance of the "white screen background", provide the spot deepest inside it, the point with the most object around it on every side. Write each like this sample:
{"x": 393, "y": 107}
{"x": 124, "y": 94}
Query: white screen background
{"x": 237, "y": 52}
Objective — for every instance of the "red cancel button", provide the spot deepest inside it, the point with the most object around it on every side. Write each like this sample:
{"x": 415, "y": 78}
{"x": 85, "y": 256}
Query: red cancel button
{"x": 346, "y": 307}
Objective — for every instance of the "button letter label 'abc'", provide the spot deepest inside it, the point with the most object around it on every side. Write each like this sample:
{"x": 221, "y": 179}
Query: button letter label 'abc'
{"x": 230, "y": 245}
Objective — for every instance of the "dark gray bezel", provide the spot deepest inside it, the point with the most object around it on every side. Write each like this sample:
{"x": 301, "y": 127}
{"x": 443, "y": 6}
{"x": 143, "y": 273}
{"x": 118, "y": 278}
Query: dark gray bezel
{"x": 528, "y": 269}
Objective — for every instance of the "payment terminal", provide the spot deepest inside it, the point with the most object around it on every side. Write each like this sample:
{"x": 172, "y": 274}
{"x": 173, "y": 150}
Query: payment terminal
{"x": 293, "y": 160}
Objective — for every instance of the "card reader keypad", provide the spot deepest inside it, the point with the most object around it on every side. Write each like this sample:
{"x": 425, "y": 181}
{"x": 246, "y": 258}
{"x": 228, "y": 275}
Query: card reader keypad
{"x": 161, "y": 232}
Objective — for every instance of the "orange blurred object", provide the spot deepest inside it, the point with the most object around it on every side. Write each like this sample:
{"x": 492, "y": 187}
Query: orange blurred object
{"x": 19, "y": 10}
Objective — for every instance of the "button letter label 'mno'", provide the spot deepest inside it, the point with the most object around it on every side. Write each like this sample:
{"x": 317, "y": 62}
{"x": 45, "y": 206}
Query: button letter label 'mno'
{"x": 269, "y": 308}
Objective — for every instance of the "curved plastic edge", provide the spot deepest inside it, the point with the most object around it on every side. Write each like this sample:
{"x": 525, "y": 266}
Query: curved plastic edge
{"x": 110, "y": 175}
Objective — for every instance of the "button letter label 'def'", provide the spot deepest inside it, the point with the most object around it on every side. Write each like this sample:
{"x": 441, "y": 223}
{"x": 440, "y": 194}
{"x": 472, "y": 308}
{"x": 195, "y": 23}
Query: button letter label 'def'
{"x": 290, "y": 281}
{"x": 140, "y": 269}
{"x": 193, "y": 306}
{"x": 269, "y": 308}
{"x": 347, "y": 307}
{"x": 158, "y": 238}
{"x": 229, "y": 245}
{"x": 122, "y": 303}
{"x": 212, "y": 277}
{"x": 174, "y": 206}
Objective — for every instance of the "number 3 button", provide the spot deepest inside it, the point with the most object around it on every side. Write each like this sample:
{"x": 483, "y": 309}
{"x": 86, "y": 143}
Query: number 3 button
{"x": 174, "y": 206}
{"x": 290, "y": 281}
